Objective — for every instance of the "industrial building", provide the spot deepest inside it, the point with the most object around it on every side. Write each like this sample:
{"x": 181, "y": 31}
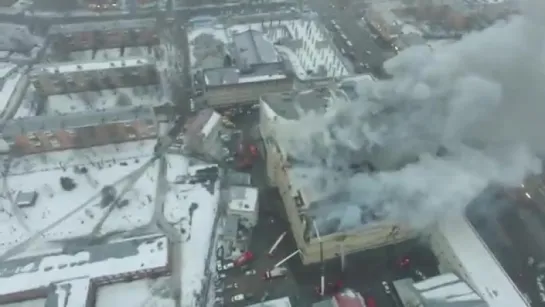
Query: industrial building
{"x": 72, "y": 77}
{"x": 248, "y": 68}
{"x": 78, "y": 130}
{"x": 70, "y": 279}
{"x": 103, "y": 35}
{"x": 307, "y": 205}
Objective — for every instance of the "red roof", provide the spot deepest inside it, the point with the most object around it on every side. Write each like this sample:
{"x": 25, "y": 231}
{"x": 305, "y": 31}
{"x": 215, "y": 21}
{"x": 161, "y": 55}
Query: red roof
{"x": 348, "y": 298}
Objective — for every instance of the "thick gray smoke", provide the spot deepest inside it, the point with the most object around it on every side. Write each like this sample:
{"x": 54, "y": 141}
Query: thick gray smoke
{"x": 482, "y": 98}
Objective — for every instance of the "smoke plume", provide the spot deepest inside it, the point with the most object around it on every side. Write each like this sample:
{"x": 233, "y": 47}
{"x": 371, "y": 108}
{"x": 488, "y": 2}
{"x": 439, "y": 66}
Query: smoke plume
{"x": 481, "y": 98}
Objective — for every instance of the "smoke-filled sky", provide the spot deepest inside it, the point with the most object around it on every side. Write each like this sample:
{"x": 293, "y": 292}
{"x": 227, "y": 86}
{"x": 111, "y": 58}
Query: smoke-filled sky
{"x": 482, "y": 97}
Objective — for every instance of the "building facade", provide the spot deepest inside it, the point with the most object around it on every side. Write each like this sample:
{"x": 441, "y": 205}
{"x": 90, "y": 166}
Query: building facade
{"x": 72, "y": 77}
{"x": 79, "y": 130}
{"x": 103, "y": 35}
{"x": 300, "y": 199}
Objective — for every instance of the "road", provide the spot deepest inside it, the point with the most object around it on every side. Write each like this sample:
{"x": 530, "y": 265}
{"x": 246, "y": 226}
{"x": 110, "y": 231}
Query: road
{"x": 345, "y": 29}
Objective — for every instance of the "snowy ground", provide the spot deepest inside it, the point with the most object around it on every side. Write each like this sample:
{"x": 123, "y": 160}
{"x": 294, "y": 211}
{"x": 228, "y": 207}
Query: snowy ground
{"x": 307, "y": 57}
{"x": 41, "y": 173}
{"x": 109, "y": 54}
{"x": 30, "y": 303}
{"x": 106, "y": 99}
{"x": 141, "y": 293}
{"x": 9, "y": 74}
{"x": 196, "y": 228}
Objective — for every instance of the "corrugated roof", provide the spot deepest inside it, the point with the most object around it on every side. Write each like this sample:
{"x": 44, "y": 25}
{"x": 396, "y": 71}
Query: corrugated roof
{"x": 253, "y": 48}
{"x": 13, "y": 128}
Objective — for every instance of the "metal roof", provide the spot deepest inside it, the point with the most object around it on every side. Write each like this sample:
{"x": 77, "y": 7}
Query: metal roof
{"x": 446, "y": 290}
{"x": 15, "y": 127}
{"x": 252, "y": 48}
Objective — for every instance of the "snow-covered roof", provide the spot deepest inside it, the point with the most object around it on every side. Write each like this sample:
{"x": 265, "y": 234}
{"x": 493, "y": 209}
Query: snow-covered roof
{"x": 69, "y": 293}
{"x": 92, "y": 65}
{"x": 291, "y": 105}
{"x": 253, "y": 48}
{"x": 445, "y": 290}
{"x": 210, "y": 124}
{"x": 10, "y": 75}
{"x": 232, "y": 75}
{"x": 243, "y": 199}
{"x": 20, "y": 126}
{"x": 484, "y": 273}
{"x": 279, "y": 302}
{"x": 95, "y": 261}
{"x": 103, "y": 26}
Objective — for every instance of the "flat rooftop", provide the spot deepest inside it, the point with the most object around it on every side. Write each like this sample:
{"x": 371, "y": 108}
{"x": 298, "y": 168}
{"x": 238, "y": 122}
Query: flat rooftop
{"x": 105, "y": 165}
{"x": 70, "y": 67}
{"x": 291, "y": 105}
{"x": 95, "y": 261}
{"x": 148, "y": 23}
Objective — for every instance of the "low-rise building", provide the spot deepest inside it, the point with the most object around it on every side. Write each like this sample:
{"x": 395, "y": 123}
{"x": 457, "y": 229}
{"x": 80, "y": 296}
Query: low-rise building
{"x": 202, "y": 134}
{"x": 77, "y": 130}
{"x": 243, "y": 204}
{"x": 70, "y": 278}
{"x": 71, "y": 77}
{"x": 310, "y": 206}
{"x": 103, "y": 34}
{"x": 442, "y": 290}
{"x": 239, "y": 72}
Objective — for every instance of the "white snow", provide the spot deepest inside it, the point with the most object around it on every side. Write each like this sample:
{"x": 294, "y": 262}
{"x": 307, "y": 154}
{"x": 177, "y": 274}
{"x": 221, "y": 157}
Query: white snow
{"x": 152, "y": 254}
{"x": 61, "y": 68}
{"x": 151, "y": 95}
{"x": 198, "y": 228}
{"x": 41, "y": 173}
{"x": 29, "y": 303}
{"x": 483, "y": 271}
{"x": 7, "y": 91}
{"x": 261, "y": 78}
{"x": 141, "y": 293}
{"x": 210, "y": 124}
{"x": 28, "y": 105}
{"x": 73, "y": 292}
{"x": 111, "y": 53}
{"x": 315, "y": 50}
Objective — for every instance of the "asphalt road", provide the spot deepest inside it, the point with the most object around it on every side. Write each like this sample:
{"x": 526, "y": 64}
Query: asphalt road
{"x": 364, "y": 49}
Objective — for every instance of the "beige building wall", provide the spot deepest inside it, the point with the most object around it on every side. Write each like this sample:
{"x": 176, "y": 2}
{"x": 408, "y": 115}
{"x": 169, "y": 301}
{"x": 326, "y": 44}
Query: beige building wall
{"x": 277, "y": 169}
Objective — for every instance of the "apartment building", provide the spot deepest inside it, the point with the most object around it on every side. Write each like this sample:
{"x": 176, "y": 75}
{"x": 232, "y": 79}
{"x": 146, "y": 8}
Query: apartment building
{"x": 72, "y": 77}
{"x": 37, "y": 134}
{"x": 307, "y": 205}
{"x": 250, "y": 68}
{"x": 103, "y": 34}
{"x": 69, "y": 279}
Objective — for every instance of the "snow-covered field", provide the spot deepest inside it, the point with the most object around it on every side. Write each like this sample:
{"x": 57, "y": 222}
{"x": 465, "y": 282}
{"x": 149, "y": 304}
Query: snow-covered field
{"x": 105, "y": 165}
{"x": 191, "y": 208}
{"x": 141, "y": 293}
{"x": 314, "y": 51}
{"x": 106, "y": 99}
{"x": 30, "y": 303}
{"x": 110, "y": 54}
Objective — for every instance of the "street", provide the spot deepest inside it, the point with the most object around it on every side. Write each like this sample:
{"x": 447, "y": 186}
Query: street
{"x": 358, "y": 44}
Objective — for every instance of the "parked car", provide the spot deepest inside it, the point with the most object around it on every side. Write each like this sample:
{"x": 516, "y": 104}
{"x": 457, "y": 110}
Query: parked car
{"x": 240, "y": 297}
